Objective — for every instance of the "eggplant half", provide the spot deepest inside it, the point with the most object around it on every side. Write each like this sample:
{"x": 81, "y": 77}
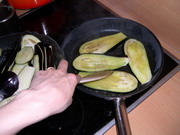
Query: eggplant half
{"x": 98, "y": 62}
{"x": 102, "y": 44}
{"x": 138, "y": 60}
{"x": 118, "y": 81}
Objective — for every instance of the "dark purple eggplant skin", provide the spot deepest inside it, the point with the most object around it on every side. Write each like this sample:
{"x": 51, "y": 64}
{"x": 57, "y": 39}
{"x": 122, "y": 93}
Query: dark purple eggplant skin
{"x": 50, "y": 56}
{"x": 39, "y": 50}
{"x": 9, "y": 84}
{"x": 2, "y": 60}
{"x": 9, "y": 56}
{"x": 46, "y": 55}
{"x": 5, "y": 58}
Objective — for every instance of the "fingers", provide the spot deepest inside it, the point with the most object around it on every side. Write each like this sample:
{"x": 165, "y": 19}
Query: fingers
{"x": 50, "y": 68}
{"x": 63, "y": 65}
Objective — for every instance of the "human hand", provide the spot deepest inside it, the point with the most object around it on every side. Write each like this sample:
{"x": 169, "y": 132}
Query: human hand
{"x": 54, "y": 88}
{"x": 50, "y": 92}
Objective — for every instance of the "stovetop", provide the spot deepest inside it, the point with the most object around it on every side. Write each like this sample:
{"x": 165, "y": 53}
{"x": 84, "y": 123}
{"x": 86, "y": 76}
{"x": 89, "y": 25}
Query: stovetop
{"x": 88, "y": 114}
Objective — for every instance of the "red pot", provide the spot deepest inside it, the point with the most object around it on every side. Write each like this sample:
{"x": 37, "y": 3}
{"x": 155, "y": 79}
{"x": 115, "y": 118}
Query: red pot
{"x": 27, "y": 4}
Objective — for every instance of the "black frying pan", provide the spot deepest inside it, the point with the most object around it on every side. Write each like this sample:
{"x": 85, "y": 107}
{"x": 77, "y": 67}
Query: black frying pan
{"x": 105, "y": 26}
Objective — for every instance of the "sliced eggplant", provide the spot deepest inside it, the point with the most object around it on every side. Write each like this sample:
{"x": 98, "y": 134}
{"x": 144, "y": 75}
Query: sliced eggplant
{"x": 45, "y": 58}
{"x": 39, "y": 50}
{"x": 36, "y": 64}
{"x": 97, "y": 62}
{"x": 24, "y": 55}
{"x": 11, "y": 66}
{"x": 8, "y": 57}
{"x": 118, "y": 81}
{"x": 46, "y": 55}
{"x": 50, "y": 56}
{"x": 17, "y": 68}
{"x": 29, "y": 40}
{"x": 25, "y": 78}
{"x": 103, "y": 44}
{"x": 138, "y": 60}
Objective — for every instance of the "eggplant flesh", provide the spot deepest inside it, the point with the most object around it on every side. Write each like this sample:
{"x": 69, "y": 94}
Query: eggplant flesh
{"x": 25, "y": 78}
{"x": 9, "y": 84}
{"x": 17, "y": 68}
{"x": 97, "y": 62}
{"x": 24, "y": 55}
{"x": 29, "y": 40}
{"x": 118, "y": 81}
{"x": 102, "y": 44}
{"x": 138, "y": 60}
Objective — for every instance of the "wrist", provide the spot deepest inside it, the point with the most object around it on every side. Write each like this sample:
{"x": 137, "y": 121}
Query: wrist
{"x": 21, "y": 112}
{"x": 34, "y": 107}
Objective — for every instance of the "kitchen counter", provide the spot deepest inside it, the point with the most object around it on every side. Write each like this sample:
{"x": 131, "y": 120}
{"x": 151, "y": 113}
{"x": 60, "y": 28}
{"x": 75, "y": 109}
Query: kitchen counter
{"x": 159, "y": 114}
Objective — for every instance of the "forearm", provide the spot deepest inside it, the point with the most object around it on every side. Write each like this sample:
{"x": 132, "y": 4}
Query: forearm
{"x": 19, "y": 113}
{"x": 50, "y": 93}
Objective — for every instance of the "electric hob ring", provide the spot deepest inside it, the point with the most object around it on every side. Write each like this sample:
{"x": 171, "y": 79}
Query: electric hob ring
{"x": 66, "y": 123}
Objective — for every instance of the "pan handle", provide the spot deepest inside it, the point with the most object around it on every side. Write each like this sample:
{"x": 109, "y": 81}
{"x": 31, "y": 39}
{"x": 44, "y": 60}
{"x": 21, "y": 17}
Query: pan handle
{"x": 122, "y": 122}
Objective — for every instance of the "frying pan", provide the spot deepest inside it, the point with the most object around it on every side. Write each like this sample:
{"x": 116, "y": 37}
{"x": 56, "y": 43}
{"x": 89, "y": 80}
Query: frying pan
{"x": 94, "y": 29}
{"x": 9, "y": 40}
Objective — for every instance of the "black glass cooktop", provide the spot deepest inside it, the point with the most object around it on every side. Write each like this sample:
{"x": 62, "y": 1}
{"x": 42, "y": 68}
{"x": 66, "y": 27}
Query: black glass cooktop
{"x": 87, "y": 115}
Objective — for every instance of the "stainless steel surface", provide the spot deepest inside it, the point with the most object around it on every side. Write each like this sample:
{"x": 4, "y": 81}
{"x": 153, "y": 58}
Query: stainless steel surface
{"x": 123, "y": 127}
{"x": 95, "y": 76}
